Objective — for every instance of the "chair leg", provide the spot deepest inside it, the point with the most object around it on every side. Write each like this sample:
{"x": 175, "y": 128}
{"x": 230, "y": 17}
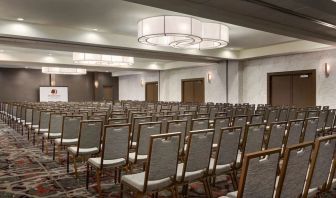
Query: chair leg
{"x": 59, "y": 153}
{"x": 34, "y": 138}
{"x": 119, "y": 175}
{"x": 87, "y": 175}
{"x": 54, "y": 150}
{"x": 206, "y": 189}
{"x": 185, "y": 190}
{"x": 28, "y": 131}
{"x": 115, "y": 175}
{"x": 67, "y": 161}
{"x": 75, "y": 165}
{"x": 42, "y": 144}
{"x": 209, "y": 187}
{"x": 98, "y": 175}
{"x": 176, "y": 191}
{"x": 121, "y": 190}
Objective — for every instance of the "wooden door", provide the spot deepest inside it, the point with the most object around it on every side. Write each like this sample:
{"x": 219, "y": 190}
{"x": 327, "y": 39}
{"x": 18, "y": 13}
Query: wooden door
{"x": 108, "y": 92}
{"x": 297, "y": 88}
{"x": 151, "y": 91}
{"x": 193, "y": 90}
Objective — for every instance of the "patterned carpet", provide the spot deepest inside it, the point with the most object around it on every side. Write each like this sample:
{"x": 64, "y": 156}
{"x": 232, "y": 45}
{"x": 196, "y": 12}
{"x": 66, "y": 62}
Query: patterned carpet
{"x": 27, "y": 172}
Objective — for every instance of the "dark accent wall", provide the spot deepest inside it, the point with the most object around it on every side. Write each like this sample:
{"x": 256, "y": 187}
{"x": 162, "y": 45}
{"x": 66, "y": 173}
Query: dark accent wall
{"x": 24, "y": 84}
{"x": 21, "y": 84}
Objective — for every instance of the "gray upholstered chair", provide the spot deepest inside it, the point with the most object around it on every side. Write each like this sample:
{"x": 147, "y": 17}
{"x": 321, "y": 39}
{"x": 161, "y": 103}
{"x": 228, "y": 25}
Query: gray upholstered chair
{"x": 69, "y": 134}
{"x": 164, "y": 119}
{"x": 29, "y": 119}
{"x": 321, "y": 163}
{"x": 188, "y": 118}
{"x": 199, "y": 124}
{"x": 292, "y": 114}
{"x": 225, "y": 157}
{"x": 43, "y": 126}
{"x": 114, "y": 153}
{"x": 329, "y": 122}
{"x": 310, "y": 129}
{"x": 294, "y": 132}
{"x": 276, "y": 135}
{"x": 160, "y": 172}
{"x": 195, "y": 166}
{"x": 257, "y": 119}
{"x": 239, "y": 121}
{"x": 135, "y": 128}
{"x": 89, "y": 141}
{"x": 273, "y": 116}
{"x": 178, "y": 126}
{"x": 294, "y": 170}
{"x": 111, "y": 121}
{"x": 143, "y": 140}
{"x": 301, "y": 115}
{"x": 219, "y": 123}
{"x": 258, "y": 174}
{"x": 322, "y": 121}
{"x": 283, "y": 115}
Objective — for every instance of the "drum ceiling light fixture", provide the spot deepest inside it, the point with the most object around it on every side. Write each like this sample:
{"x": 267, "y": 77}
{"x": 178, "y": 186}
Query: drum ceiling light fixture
{"x": 182, "y": 32}
{"x": 101, "y": 59}
{"x": 63, "y": 70}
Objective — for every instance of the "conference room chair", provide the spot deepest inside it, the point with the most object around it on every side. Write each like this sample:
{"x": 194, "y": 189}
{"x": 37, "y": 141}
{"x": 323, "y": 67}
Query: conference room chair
{"x": 239, "y": 121}
{"x": 294, "y": 132}
{"x": 301, "y": 115}
{"x": 193, "y": 108}
{"x": 212, "y": 112}
{"x": 88, "y": 142}
{"x": 112, "y": 121}
{"x": 256, "y": 119}
{"x": 160, "y": 172}
{"x": 114, "y": 154}
{"x": 224, "y": 160}
{"x": 322, "y": 159}
{"x": 292, "y": 114}
{"x": 294, "y": 170}
{"x": 28, "y": 120}
{"x": 322, "y": 120}
{"x": 199, "y": 124}
{"x": 310, "y": 129}
{"x": 55, "y": 131}
{"x": 239, "y": 111}
{"x": 69, "y": 134}
{"x": 35, "y": 121}
{"x": 164, "y": 120}
{"x": 43, "y": 126}
{"x": 135, "y": 128}
{"x": 202, "y": 115}
{"x": 276, "y": 136}
{"x": 221, "y": 115}
{"x": 203, "y": 109}
{"x": 140, "y": 154}
{"x": 312, "y": 113}
{"x": 178, "y": 126}
{"x": 195, "y": 166}
{"x": 258, "y": 174}
{"x": 22, "y": 121}
{"x": 272, "y": 116}
{"x": 219, "y": 123}
{"x": 325, "y": 108}
{"x": 329, "y": 122}
{"x": 188, "y": 118}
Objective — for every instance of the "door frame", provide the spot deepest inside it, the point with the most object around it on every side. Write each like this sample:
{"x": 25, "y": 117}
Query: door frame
{"x": 192, "y": 79}
{"x": 152, "y": 82}
{"x": 269, "y": 76}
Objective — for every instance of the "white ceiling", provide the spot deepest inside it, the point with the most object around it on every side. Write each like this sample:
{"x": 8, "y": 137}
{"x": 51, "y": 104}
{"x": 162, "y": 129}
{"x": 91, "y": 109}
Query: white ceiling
{"x": 66, "y": 21}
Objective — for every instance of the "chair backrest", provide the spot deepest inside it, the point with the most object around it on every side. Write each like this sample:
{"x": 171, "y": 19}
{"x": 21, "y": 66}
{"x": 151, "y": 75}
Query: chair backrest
{"x": 186, "y": 117}
{"x": 257, "y": 119}
{"x": 240, "y": 121}
{"x": 272, "y": 116}
{"x": 283, "y": 115}
{"x": 178, "y": 126}
{"x": 259, "y": 174}
{"x": 276, "y": 135}
{"x": 159, "y": 167}
{"x": 71, "y": 127}
{"x": 310, "y": 129}
{"x": 312, "y": 114}
{"x": 212, "y": 112}
{"x": 29, "y": 115}
{"x": 254, "y": 137}
{"x": 294, "y": 132}
{"x": 294, "y": 170}
{"x": 199, "y": 124}
{"x": 44, "y": 119}
{"x": 220, "y": 123}
{"x": 117, "y": 121}
{"x": 322, "y": 158}
{"x": 143, "y": 139}
{"x": 228, "y": 146}
{"x": 330, "y": 119}
{"x": 135, "y": 125}
{"x": 322, "y": 119}
{"x": 292, "y": 114}
{"x": 56, "y": 123}
{"x": 90, "y": 134}
{"x": 198, "y": 152}
{"x": 116, "y": 140}
{"x": 164, "y": 120}
{"x": 301, "y": 115}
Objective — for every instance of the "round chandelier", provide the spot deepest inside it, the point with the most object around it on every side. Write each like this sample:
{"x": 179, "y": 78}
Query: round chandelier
{"x": 101, "y": 59}
{"x": 63, "y": 70}
{"x": 182, "y": 32}
{"x": 214, "y": 35}
{"x": 169, "y": 31}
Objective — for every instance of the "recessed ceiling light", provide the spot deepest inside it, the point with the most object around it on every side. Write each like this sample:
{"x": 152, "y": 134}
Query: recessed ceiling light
{"x": 106, "y": 71}
{"x": 26, "y": 67}
{"x": 49, "y": 54}
{"x": 20, "y": 19}
{"x": 95, "y": 29}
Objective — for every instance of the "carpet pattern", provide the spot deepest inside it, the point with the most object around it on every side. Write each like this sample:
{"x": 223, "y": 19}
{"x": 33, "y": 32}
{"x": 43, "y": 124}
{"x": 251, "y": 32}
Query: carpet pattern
{"x": 27, "y": 172}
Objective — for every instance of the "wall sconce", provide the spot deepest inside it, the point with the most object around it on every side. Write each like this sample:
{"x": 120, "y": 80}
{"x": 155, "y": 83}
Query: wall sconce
{"x": 96, "y": 84}
{"x": 327, "y": 69}
{"x": 209, "y": 78}
{"x": 142, "y": 82}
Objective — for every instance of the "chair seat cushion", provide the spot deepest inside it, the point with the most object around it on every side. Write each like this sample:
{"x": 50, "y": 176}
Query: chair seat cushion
{"x": 137, "y": 181}
{"x": 66, "y": 142}
{"x": 189, "y": 176}
{"x": 107, "y": 163}
{"x": 41, "y": 130}
{"x": 232, "y": 194}
{"x": 28, "y": 123}
{"x": 34, "y": 126}
{"x": 214, "y": 145}
{"x": 131, "y": 157}
{"x": 219, "y": 168}
{"x": 52, "y": 135}
{"x": 83, "y": 151}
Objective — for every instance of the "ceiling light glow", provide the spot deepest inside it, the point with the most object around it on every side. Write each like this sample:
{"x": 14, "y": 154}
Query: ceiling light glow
{"x": 101, "y": 59}
{"x": 61, "y": 70}
{"x": 20, "y": 19}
